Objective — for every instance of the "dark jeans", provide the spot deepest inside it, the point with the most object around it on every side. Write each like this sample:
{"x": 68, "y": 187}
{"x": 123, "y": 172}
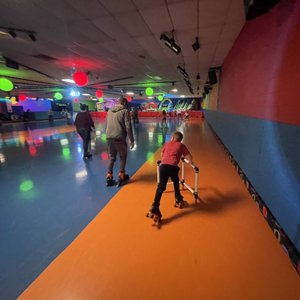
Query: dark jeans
{"x": 86, "y": 137}
{"x": 116, "y": 146}
{"x": 166, "y": 171}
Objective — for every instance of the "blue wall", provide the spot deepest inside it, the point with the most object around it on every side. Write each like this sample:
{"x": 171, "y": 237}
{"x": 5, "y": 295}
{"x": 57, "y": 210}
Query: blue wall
{"x": 269, "y": 154}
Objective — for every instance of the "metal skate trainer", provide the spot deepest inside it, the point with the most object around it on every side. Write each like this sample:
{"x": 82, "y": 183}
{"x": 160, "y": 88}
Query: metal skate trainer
{"x": 184, "y": 161}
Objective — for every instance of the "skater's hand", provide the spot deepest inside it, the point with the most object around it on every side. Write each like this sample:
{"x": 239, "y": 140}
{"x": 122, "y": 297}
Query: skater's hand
{"x": 131, "y": 145}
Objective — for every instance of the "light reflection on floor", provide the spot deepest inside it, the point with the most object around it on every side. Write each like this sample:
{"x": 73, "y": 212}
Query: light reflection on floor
{"x": 49, "y": 194}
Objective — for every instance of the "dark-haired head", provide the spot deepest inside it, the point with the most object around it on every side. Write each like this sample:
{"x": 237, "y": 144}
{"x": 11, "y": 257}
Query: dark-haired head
{"x": 83, "y": 106}
{"x": 123, "y": 101}
{"x": 177, "y": 136}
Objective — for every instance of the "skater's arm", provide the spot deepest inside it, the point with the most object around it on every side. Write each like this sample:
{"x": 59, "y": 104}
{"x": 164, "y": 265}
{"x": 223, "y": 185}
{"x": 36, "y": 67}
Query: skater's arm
{"x": 189, "y": 158}
{"x": 129, "y": 128}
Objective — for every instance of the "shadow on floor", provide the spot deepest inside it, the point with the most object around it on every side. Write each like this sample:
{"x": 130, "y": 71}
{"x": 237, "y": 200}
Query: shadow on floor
{"x": 207, "y": 204}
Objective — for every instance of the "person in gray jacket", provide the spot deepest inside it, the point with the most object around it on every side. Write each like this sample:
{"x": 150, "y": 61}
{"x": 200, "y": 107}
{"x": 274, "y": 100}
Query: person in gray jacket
{"x": 118, "y": 127}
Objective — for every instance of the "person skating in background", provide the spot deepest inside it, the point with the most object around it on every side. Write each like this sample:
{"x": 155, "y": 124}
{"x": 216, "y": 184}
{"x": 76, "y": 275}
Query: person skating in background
{"x": 118, "y": 127}
{"x": 172, "y": 152}
{"x": 84, "y": 125}
{"x": 164, "y": 119}
{"x": 135, "y": 116}
{"x": 186, "y": 115}
{"x": 69, "y": 117}
{"x": 50, "y": 115}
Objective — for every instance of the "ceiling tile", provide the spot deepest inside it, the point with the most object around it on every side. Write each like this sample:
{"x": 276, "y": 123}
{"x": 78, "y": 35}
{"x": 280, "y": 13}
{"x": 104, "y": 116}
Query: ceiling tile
{"x": 111, "y": 27}
{"x": 117, "y": 7}
{"x": 92, "y": 9}
{"x": 134, "y": 24}
{"x": 184, "y": 14}
{"x": 88, "y": 29}
{"x": 144, "y": 4}
{"x": 61, "y": 9}
{"x": 157, "y": 19}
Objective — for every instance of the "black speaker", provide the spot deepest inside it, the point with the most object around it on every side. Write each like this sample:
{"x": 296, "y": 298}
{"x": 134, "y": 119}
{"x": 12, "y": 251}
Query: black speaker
{"x": 206, "y": 90}
{"x": 212, "y": 77}
{"x": 10, "y": 63}
{"x": 255, "y": 8}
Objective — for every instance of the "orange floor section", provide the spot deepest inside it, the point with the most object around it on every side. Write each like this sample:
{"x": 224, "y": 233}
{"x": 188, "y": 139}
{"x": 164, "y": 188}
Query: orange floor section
{"x": 221, "y": 248}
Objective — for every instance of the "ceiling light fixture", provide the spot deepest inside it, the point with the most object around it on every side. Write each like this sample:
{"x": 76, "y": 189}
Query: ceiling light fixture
{"x": 170, "y": 43}
{"x": 68, "y": 80}
{"x": 13, "y": 32}
{"x": 74, "y": 93}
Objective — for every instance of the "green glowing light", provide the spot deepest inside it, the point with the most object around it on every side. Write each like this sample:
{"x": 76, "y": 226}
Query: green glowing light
{"x": 150, "y": 157}
{"x": 58, "y": 96}
{"x": 6, "y": 85}
{"x": 66, "y": 152}
{"x": 26, "y": 186}
{"x": 103, "y": 137}
{"x": 160, "y": 139}
{"x": 160, "y": 97}
{"x": 101, "y": 100}
{"x": 149, "y": 91}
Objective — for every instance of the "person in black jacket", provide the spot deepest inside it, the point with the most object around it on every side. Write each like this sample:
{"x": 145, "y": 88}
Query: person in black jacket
{"x": 84, "y": 125}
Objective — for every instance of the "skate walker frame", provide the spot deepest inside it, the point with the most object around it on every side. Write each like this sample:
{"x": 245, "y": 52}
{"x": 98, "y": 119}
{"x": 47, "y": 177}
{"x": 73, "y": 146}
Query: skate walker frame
{"x": 182, "y": 181}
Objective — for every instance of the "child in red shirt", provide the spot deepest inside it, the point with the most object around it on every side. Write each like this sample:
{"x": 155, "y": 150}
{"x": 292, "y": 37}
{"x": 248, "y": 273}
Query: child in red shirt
{"x": 171, "y": 155}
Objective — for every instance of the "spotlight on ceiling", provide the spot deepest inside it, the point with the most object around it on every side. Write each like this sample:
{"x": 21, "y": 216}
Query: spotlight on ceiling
{"x": 12, "y": 33}
{"x": 196, "y": 44}
{"x": 170, "y": 43}
{"x": 32, "y": 36}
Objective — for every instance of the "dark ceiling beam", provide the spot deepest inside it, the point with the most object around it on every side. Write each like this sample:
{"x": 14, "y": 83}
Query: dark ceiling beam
{"x": 109, "y": 81}
{"x": 138, "y": 84}
{"x": 32, "y": 80}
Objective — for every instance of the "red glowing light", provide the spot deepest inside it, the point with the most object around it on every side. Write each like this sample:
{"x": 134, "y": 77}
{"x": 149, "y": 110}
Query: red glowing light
{"x": 99, "y": 94}
{"x": 32, "y": 150}
{"x": 80, "y": 78}
{"x": 81, "y": 63}
{"x": 104, "y": 156}
{"x": 76, "y": 100}
{"x": 22, "y": 97}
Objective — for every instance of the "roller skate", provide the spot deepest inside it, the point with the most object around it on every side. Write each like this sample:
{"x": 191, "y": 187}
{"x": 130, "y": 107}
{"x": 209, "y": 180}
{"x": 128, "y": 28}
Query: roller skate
{"x": 87, "y": 156}
{"x": 109, "y": 180}
{"x": 155, "y": 214}
{"x": 123, "y": 179}
{"x": 179, "y": 202}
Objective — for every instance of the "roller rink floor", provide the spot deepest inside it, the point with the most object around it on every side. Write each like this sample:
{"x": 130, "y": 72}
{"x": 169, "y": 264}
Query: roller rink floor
{"x": 65, "y": 235}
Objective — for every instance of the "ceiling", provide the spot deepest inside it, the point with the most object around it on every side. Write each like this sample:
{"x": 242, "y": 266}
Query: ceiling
{"x": 116, "y": 42}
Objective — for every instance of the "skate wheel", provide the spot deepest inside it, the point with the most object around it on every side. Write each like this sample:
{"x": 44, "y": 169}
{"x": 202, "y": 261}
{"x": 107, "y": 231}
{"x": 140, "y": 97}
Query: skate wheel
{"x": 149, "y": 215}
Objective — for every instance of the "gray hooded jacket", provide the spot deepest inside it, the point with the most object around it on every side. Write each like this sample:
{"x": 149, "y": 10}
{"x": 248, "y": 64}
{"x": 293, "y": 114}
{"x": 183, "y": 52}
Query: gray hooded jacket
{"x": 118, "y": 123}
